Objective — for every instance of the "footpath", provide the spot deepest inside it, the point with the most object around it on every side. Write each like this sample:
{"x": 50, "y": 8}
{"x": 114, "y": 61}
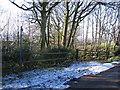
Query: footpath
{"x": 107, "y": 80}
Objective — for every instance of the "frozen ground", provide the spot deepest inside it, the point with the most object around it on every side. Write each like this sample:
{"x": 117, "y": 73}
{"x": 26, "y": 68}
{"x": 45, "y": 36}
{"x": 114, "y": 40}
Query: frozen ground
{"x": 55, "y": 77}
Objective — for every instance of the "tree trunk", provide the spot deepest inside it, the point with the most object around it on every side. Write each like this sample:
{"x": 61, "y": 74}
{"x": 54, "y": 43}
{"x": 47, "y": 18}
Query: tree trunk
{"x": 48, "y": 32}
{"x": 58, "y": 34}
{"x": 73, "y": 25}
{"x": 118, "y": 38}
{"x": 43, "y": 25}
{"x": 66, "y": 24}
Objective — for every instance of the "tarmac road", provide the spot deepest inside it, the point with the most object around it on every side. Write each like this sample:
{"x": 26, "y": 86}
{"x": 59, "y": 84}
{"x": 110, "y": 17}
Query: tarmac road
{"x": 109, "y": 80}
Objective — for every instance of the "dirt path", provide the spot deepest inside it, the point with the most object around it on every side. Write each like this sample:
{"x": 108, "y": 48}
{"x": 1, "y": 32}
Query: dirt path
{"x": 109, "y": 79}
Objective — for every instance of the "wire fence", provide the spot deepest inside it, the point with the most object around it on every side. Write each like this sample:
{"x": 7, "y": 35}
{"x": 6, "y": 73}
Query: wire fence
{"x": 37, "y": 60}
{"x": 67, "y": 56}
{"x": 92, "y": 54}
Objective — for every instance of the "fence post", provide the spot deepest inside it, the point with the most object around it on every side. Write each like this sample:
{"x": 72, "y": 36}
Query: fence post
{"x": 21, "y": 29}
{"x": 76, "y": 56}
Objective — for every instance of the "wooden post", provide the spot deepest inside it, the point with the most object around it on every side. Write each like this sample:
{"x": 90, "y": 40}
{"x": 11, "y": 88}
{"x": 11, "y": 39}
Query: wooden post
{"x": 1, "y": 59}
{"x": 21, "y": 29}
{"x": 76, "y": 56}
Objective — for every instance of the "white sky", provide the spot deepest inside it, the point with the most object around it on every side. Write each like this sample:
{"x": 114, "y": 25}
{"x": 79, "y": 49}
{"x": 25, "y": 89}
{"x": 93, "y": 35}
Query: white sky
{"x": 13, "y": 10}
{"x": 7, "y": 5}
{"x": 10, "y": 11}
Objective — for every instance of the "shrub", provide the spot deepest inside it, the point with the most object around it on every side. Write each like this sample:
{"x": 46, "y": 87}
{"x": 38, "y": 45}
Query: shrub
{"x": 60, "y": 52}
{"x": 13, "y": 53}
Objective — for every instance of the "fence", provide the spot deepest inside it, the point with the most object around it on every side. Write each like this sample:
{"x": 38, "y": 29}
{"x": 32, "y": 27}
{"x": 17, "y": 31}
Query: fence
{"x": 40, "y": 60}
{"x": 92, "y": 54}
{"x": 51, "y": 56}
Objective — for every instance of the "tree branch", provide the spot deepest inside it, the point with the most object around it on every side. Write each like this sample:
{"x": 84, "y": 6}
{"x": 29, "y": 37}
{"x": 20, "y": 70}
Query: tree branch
{"x": 89, "y": 11}
{"x": 55, "y": 4}
{"x": 21, "y": 7}
{"x": 110, "y": 4}
{"x": 36, "y": 15}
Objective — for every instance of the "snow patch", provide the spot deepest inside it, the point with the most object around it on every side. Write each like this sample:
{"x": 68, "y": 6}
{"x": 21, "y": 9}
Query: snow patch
{"x": 116, "y": 62}
{"x": 54, "y": 77}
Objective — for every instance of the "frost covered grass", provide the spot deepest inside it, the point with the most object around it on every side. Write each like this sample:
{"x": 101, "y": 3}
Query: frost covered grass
{"x": 54, "y": 77}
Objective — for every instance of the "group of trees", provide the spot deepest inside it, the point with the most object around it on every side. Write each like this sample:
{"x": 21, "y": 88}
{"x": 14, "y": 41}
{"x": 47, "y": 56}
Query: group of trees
{"x": 58, "y": 22}
{"x": 84, "y": 24}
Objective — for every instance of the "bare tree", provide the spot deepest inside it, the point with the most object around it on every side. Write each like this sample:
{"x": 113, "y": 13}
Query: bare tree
{"x": 41, "y": 11}
{"x": 79, "y": 15}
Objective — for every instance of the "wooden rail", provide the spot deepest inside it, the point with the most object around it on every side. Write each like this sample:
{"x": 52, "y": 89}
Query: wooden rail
{"x": 90, "y": 53}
